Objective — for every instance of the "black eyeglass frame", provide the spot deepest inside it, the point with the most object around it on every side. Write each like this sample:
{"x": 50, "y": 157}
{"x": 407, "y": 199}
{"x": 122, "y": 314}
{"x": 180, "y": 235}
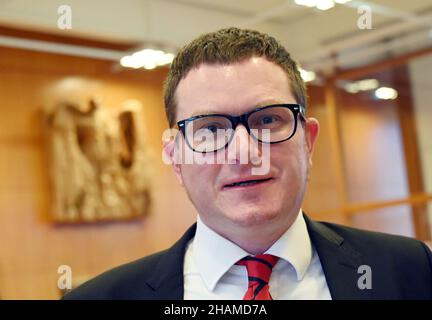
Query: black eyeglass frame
{"x": 296, "y": 109}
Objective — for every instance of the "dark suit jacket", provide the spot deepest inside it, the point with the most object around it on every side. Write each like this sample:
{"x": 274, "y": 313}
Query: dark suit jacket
{"x": 401, "y": 268}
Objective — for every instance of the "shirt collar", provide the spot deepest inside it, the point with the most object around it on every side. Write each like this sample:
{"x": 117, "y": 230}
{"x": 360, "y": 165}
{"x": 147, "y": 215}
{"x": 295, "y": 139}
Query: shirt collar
{"x": 214, "y": 255}
{"x": 294, "y": 246}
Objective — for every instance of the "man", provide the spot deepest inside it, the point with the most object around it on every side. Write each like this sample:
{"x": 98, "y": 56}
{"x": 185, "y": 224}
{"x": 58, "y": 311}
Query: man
{"x": 252, "y": 240}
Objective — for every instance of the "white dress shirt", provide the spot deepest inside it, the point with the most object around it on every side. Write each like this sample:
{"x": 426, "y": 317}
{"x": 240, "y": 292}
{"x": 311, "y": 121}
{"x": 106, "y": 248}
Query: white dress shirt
{"x": 210, "y": 271}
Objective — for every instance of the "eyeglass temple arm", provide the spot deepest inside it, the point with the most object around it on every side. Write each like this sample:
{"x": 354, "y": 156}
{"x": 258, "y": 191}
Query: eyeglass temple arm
{"x": 302, "y": 110}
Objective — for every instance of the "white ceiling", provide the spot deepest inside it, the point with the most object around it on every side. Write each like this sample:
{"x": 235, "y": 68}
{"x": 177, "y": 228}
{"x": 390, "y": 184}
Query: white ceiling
{"x": 313, "y": 37}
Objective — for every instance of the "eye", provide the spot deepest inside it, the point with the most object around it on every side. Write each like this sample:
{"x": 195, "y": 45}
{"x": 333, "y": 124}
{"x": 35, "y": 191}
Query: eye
{"x": 212, "y": 127}
{"x": 268, "y": 119}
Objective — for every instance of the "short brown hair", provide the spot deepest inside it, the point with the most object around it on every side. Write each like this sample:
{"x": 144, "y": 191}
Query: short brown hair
{"x": 228, "y": 46}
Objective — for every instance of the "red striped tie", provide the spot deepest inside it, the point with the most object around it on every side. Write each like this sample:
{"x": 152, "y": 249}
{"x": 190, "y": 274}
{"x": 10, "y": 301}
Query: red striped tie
{"x": 259, "y": 269}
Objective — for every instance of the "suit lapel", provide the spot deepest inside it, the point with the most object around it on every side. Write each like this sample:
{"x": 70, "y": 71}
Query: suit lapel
{"x": 339, "y": 260}
{"x": 167, "y": 278}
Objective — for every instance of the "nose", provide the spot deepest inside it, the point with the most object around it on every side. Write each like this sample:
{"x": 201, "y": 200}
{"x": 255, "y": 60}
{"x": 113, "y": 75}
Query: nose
{"x": 242, "y": 147}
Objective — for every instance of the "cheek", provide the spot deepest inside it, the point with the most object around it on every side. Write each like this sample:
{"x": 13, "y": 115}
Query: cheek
{"x": 292, "y": 161}
{"x": 198, "y": 171}
{"x": 199, "y": 177}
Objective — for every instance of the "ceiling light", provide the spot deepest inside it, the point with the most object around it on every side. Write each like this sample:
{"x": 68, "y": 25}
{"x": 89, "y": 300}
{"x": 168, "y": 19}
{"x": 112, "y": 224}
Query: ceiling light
{"x": 367, "y": 84}
{"x": 147, "y": 59}
{"x": 352, "y": 87}
{"x": 386, "y": 93}
{"x": 320, "y": 4}
{"x": 307, "y": 3}
{"x": 361, "y": 85}
{"x": 148, "y": 65}
{"x": 307, "y": 76}
{"x": 325, "y": 4}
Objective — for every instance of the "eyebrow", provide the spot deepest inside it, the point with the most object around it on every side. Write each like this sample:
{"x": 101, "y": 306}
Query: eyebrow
{"x": 204, "y": 112}
{"x": 258, "y": 105}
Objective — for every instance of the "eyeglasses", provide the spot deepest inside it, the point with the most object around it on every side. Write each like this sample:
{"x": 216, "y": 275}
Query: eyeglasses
{"x": 270, "y": 124}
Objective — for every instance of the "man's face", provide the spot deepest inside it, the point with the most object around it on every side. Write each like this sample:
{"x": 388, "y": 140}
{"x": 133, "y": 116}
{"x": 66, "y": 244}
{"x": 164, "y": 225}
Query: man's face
{"x": 236, "y": 89}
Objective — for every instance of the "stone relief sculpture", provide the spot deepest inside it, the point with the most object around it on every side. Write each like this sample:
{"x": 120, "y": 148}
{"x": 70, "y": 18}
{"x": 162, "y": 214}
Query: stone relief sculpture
{"x": 99, "y": 163}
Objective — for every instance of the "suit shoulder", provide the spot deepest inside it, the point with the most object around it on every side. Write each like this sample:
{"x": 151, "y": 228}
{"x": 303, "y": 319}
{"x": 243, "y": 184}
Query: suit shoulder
{"x": 118, "y": 282}
{"x": 382, "y": 243}
{"x": 342, "y": 229}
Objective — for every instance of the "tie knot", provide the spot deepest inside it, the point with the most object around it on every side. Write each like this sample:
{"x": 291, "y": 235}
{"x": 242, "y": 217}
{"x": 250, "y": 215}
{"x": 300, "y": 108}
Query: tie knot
{"x": 259, "y": 267}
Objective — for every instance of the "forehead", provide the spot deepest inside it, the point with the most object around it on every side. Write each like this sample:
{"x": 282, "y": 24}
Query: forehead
{"x": 233, "y": 89}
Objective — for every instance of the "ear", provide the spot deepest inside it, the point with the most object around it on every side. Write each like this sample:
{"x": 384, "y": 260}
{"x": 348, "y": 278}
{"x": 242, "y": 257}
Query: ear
{"x": 311, "y": 130}
{"x": 171, "y": 152}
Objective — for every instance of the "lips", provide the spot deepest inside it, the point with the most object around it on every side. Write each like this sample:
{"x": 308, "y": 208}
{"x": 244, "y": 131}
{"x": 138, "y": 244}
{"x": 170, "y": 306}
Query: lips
{"x": 246, "y": 182}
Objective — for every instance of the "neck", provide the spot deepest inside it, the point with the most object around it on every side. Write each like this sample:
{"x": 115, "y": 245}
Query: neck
{"x": 255, "y": 246}
{"x": 246, "y": 236}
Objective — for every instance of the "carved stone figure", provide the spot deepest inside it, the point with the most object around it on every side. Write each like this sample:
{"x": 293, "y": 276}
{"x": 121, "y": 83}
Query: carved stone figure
{"x": 99, "y": 163}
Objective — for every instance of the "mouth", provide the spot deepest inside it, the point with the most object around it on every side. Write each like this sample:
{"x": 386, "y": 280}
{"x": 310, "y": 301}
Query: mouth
{"x": 247, "y": 183}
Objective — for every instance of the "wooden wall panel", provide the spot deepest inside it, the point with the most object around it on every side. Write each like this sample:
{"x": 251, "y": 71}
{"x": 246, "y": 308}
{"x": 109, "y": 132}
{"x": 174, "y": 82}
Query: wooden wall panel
{"x": 374, "y": 158}
{"x": 322, "y": 200}
{"x": 31, "y": 249}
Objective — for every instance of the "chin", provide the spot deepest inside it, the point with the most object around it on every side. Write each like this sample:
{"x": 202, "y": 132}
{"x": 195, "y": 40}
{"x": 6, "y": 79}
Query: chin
{"x": 250, "y": 217}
